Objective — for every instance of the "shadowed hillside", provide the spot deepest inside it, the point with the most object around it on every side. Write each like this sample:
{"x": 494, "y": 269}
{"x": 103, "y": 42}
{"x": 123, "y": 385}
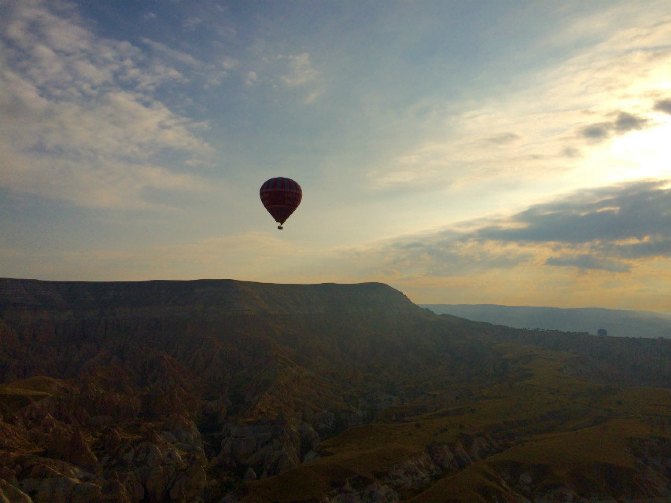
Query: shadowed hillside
{"x": 203, "y": 390}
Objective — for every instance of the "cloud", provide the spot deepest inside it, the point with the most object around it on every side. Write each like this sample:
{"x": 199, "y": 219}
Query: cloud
{"x": 192, "y": 22}
{"x": 300, "y": 74}
{"x": 612, "y": 61}
{"x": 611, "y": 229}
{"x": 657, "y": 246}
{"x": 608, "y": 246}
{"x": 570, "y": 152}
{"x": 596, "y": 131}
{"x": 614, "y": 215}
{"x": 663, "y": 106}
{"x": 443, "y": 255}
{"x": 251, "y": 79}
{"x": 174, "y": 54}
{"x": 293, "y": 74}
{"x": 207, "y": 74}
{"x": 587, "y": 261}
{"x": 503, "y": 138}
{"x": 628, "y": 122}
{"x": 86, "y": 126}
{"x": 623, "y": 123}
{"x": 300, "y": 70}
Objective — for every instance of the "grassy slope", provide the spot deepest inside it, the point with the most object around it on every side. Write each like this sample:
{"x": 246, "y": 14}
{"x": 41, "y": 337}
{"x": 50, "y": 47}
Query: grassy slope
{"x": 560, "y": 423}
{"x": 22, "y": 392}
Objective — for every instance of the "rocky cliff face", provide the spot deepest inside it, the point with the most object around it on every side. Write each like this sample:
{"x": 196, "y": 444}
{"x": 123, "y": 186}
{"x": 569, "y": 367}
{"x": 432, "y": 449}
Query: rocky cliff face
{"x": 158, "y": 391}
{"x": 417, "y": 472}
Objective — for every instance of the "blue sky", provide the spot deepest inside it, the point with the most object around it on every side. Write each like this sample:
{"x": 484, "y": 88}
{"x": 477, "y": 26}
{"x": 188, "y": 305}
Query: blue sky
{"x": 451, "y": 149}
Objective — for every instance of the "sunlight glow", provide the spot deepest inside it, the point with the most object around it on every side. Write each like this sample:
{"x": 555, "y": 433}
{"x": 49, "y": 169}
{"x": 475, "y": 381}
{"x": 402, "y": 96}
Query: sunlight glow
{"x": 642, "y": 154}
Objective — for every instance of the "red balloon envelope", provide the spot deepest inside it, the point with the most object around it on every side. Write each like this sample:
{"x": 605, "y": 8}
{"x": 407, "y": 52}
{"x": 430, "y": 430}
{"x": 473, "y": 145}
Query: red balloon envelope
{"x": 281, "y": 196}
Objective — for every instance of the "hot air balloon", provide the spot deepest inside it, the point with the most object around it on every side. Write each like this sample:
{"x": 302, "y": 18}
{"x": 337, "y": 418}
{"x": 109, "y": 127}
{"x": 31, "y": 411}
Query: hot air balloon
{"x": 281, "y": 196}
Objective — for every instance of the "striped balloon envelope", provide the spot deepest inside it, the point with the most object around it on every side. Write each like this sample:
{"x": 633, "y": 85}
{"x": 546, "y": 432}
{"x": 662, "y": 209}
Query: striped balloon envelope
{"x": 280, "y": 196}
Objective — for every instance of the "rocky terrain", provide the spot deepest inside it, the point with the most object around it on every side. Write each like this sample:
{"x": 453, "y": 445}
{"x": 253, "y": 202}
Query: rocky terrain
{"x": 225, "y": 391}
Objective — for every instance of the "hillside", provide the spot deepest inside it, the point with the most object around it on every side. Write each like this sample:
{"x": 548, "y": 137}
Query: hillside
{"x": 617, "y": 323}
{"x": 218, "y": 389}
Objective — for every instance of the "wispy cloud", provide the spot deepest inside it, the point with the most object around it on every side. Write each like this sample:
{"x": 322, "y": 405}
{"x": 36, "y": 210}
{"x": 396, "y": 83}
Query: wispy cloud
{"x": 301, "y": 74}
{"x": 502, "y": 139}
{"x": 86, "y": 126}
{"x": 529, "y": 127}
{"x": 174, "y": 55}
{"x": 300, "y": 70}
{"x": 251, "y": 79}
{"x": 586, "y": 261}
{"x": 191, "y": 69}
{"x": 192, "y": 22}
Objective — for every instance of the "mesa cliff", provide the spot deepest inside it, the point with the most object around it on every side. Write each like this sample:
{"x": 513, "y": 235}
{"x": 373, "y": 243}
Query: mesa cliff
{"x": 220, "y": 390}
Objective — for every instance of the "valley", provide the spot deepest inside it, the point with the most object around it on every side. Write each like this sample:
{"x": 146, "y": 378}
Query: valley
{"x": 227, "y": 391}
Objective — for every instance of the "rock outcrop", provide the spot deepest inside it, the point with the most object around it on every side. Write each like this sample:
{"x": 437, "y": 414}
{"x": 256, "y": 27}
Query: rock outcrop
{"x": 211, "y": 391}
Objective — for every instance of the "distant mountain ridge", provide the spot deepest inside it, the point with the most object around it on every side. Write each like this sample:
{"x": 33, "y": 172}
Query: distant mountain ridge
{"x": 618, "y": 323}
{"x": 232, "y": 295}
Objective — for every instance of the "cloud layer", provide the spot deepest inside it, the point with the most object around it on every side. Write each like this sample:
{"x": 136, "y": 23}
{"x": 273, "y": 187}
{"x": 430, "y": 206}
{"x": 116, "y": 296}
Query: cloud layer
{"x": 599, "y": 90}
{"x": 84, "y": 122}
{"x": 609, "y": 229}
{"x": 606, "y": 246}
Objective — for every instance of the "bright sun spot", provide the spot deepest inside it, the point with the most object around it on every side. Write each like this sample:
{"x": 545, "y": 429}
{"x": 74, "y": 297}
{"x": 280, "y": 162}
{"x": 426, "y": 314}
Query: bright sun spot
{"x": 635, "y": 155}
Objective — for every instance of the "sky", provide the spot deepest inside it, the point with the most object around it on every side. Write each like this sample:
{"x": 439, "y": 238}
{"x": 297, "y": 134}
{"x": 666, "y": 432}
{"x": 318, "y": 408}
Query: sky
{"x": 508, "y": 152}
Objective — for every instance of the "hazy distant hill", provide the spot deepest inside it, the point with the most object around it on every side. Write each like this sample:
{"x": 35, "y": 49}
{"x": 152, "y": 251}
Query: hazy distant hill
{"x": 618, "y": 323}
{"x": 220, "y": 390}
